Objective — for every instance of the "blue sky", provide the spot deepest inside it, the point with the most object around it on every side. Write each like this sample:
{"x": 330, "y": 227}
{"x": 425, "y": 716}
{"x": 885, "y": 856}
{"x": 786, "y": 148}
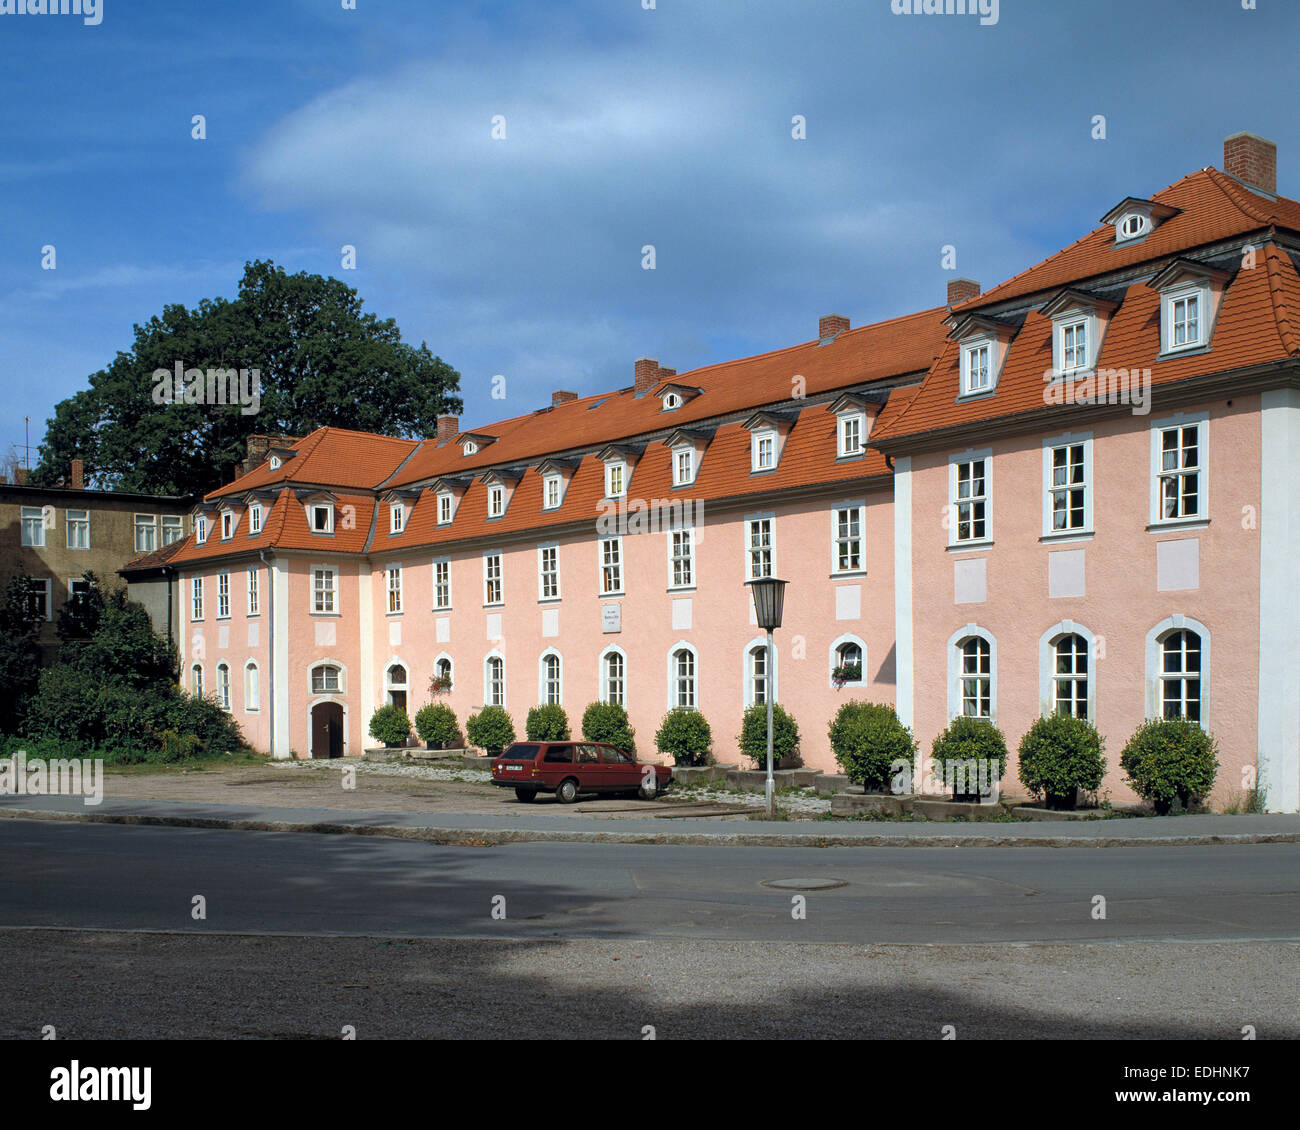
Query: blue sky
{"x": 624, "y": 127}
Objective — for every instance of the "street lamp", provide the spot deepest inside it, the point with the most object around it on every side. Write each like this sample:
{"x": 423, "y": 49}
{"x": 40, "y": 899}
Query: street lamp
{"x": 769, "y": 603}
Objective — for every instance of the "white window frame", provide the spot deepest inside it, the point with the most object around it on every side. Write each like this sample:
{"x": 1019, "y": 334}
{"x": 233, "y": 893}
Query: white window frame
{"x": 748, "y": 529}
{"x": 847, "y": 640}
{"x": 673, "y": 652}
{"x": 223, "y": 596}
{"x": 254, "y": 592}
{"x": 956, "y": 674}
{"x": 165, "y": 525}
{"x": 860, "y": 506}
{"x": 81, "y": 524}
{"x": 683, "y": 453}
{"x": 1061, "y": 329}
{"x": 1181, "y": 420}
{"x": 487, "y": 678}
{"x": 29, "y": 531}
{"x": 955, "y": 463}
{"x": 201, "y": 529}
{"x": 438, "y": 605}
{"x": 222, "y": 686}
{"x": 196, "y": 599}
{"x": 196, "y": 680}
{"x": 149, "y": 526}
{"x": 552, "y": 485}
{"x": 252, "y": 687}
{"x": 324, "y": 598}
{"x": 758, "y": 645}
{"x": 544, "y": 682}
{"x": 761, "y": 441}
{"x": 254, "y": 518}
{"x": 603, "y": 682}
{"x": 496, "y": 500}
{"x": 548, "y": 578}
{"x": 328, "y": 507}
{"x": 227, "y": 525}
{"x": 968, "y": 370}
{"x": 396, "y": 517}
{"x": 601, "y": 565}
{"x": 855, "y": 423}
{"x": 446, "y": 507}
{"x": 1155, "y": 665}
{"x": 489, "y": 578}
{"x": 616, "y": 479}
{"x": 684, "y": 536}
{"x": 1169, "y": 301}
{"x": 1050, "y": 446}
{"x": 43, "y": 585}
{"x": 393, "y": 589}
{"x": 1047, "y": 674}
{"x": 340, "y": 673}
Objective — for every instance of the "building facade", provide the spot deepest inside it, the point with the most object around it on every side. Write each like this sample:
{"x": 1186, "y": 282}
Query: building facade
{"x": 1075, "y": 491}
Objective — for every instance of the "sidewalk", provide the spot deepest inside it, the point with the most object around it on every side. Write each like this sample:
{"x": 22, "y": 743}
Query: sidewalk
{"x": 481, "y": 830}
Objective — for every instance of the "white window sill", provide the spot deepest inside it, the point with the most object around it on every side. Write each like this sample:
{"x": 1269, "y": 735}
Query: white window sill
{"x": 327, "y": 615}
{"x": 1182, "y": 351}
{"x": 1176, "y": 524}
{"x": 970, "y": 546}
{"x": 1058, "y": 536}
{"x": 848, "y": 575}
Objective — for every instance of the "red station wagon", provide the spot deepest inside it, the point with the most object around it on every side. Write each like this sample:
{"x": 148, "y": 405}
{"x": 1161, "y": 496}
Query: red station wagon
{"x": 569, "y": 768}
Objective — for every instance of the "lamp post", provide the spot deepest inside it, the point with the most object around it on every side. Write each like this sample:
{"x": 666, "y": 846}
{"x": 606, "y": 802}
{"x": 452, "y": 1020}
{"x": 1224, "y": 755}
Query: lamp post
{"x": 769, "y": 603}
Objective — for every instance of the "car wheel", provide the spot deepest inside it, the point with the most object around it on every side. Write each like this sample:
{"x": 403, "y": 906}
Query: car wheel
{"x": 526, "y": 795}
{"x": 567, "y": 793}
{"x": 648, "y": 791}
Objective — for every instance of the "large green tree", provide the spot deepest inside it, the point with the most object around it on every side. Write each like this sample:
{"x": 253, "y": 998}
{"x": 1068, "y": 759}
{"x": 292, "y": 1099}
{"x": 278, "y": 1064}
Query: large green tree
{"x": 322, "y": 361}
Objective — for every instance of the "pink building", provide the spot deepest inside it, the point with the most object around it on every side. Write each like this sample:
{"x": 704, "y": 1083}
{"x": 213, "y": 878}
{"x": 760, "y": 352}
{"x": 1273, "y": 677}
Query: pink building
{"x": 1078, "y": 490}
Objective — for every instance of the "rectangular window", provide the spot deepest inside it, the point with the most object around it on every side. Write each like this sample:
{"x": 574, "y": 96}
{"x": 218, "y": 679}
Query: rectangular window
{"x": 548, "y": 570}
{"x": 615, "y": 479}
{"x": 78, "y": 529}
{"x": 252, "y": 691}
{"x": 396, "y": 518}
{"x": 850, "y": 435}
{"x": 848, "y": 539}
{"x": 324, "y": 680}
{"x": 200, "y": 529}
{"x": 682, "y": 560}
{"x": 444, "y": 509}
{"x": 33, "y": 521}
{"x": 1068, "y": 489}
{"x": 970, "y": 501}
{"x": 1074, "y": 347}
{"x": 764, "y": 452}
{"x": 978, "y": 374}
{"x": 611, "y": 566}
{"x": 146, "y": 533}
{"x": 173, "y": 527}
{"x": 223, "y": 596}
{"x": 196, "y": 598}
{"x": 39, "y": 598}
{"x": 1180, "y": 472}
{"x": 442, "y": 584}
{"x": 254, "y": 597}
{"x": 394, "y": 576}
{"x": 227, "y": 525}
{"x": 760, "y": 548}
{"x": 496, "y": 501}
{"x": 683, "y": 466}
{"x": 324, "y": 581}
{"x": 551, "y": 492}
{"x": 1185, "y": 322}
{"x": 255, "y": 518}
{"x": 322, "y": 519}
{"x": 492, "y": 578}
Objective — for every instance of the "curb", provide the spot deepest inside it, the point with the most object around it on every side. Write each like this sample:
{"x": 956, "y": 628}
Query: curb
{"x": 489, "y": 837}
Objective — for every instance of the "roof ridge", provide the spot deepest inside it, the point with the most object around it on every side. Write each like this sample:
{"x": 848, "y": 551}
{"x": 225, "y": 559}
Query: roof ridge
{"x": 1234, "y": 192}
{"x": 1281, "y": 314}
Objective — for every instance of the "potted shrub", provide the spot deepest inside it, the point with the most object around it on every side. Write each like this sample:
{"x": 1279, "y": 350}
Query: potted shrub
{"x": 391, "y": 726}
{"x": 547, "y": 723}
{"x": 868, "y": 739}
{"x": 437, "y": 727}
{"x": 607, "y": 722}
{"x": 846, "y": 673}
{"x": 685, "y": 734}
{"x": 1059, "y": 755}
{"x": 969, "y": 754}
{"x": 1171, "y": 762}
{"x": 440, "y": 684}
{"x": 785, "y": 737}
{"x": 491, "y": 729}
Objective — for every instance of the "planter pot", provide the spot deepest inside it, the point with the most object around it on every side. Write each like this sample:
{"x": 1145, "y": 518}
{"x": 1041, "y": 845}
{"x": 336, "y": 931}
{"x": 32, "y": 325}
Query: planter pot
{"x": 1063, "y": 802}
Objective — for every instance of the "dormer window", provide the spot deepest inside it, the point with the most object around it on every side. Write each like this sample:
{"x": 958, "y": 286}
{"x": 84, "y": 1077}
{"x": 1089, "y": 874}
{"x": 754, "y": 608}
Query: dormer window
{"x": 615, "y": 480}
{"x": 763, "y": 451}
{"x": 1079, "y": 321}
{"x": 322, "y": 517}
{"x": 976, "y": 369}
{"x": 1132, "y": 226}
{"x": 396, "y": 517}
{"x": 255, "y": 518}
{"x": 227, "y": 525}
{"x": 200, "y": 529}
{"x": 470, "y": 448}
{"x": 551, "y": 492}
{"x": 446, "y": 507}
{"x": 496, "y": 500}
{"x": 850, "y": 433}
{"x": 1134, "y": 218}
{"x": 672, "y": 400}
{"x": 1074, "y": 346}
{"x": 274, "y": 463}
{"x": 1185, "y": 321}
{"x": 1190, "y": 294}
{"x": 683, "y": 466}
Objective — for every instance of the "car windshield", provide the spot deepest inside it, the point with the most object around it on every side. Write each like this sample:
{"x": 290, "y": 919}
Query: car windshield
{"x": 521, "y": 752}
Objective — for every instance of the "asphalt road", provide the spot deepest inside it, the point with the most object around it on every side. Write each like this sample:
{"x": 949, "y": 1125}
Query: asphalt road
{"x": 139, "y": 878}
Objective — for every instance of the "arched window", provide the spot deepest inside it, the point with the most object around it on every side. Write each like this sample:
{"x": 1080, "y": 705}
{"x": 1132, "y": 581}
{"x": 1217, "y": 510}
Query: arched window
{"x": 252, "y": 687}
{"x": 613, "y": 678}
{"x": 756, "y": 661}
{"x": 223, "y": 686}
{"x": 196, "y": 681}
{"x": 326, "y": 678}
{"x": 550, "y": 689}
{"x": 1180, "y": 675}
{"x": 1070, "y": 676}
{"x": 976, "y": 678}
{"x": 396, "y": 677}
{"x": 682, "y": 691}
{"x": 444, "y": 668}
{"x": 494, "y": 681}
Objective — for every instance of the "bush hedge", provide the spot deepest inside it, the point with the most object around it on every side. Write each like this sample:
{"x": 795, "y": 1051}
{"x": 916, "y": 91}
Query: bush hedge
{"x": 1171, "y": 761}
{"x": 1059, "y": 754}
{"x": 966, "y": 740}
{"x": 608, "y": 722}
{"x": 868, "y": 739}
{"x": 785, "y": 737}
{"x": 491, "y": 729}
{"x": 685, "y": 733}
{"x": 436, "y": 724}
{"x": 390, "y": 725}
{"x": 547, "y": 722}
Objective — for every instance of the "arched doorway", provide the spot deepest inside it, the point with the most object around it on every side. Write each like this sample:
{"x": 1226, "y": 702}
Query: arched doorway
{"x": 327, "y": 730}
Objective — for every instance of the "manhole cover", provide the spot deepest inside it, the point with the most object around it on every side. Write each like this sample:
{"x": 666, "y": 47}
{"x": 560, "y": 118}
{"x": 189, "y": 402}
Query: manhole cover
{"x": 805, "y": 884}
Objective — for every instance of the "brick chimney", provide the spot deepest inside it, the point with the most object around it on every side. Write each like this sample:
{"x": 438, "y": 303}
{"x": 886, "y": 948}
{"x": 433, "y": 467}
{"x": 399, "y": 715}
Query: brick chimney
{"x": 647, "y": 375}
{"x": 831, "y": 325}
{"x": 20, "y": 476}
{"x": 448, "y": 427}
{"x": 1252, "y": 159}
{"x": 77, "y": 475}
{"x": 562, "y": 396}
{"x": 961, "y": 290}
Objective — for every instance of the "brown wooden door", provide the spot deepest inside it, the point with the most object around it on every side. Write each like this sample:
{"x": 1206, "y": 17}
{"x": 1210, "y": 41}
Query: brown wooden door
{"x": 327, "y": 730}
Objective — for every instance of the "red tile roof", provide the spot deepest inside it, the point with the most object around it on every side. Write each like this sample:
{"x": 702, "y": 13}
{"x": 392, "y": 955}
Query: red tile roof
{"x": 334, "y": 456}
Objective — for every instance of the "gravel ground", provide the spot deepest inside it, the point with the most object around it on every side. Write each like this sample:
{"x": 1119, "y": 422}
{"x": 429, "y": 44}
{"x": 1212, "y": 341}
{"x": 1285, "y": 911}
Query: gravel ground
{"x": 112, "y": 985}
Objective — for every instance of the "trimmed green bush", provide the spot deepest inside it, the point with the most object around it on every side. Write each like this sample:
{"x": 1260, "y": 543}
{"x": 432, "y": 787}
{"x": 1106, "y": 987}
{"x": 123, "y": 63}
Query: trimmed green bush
{"x": 785, "y": 737}
{"x": 390, "y": 725}
{"x": 547, "y": 722}
{"x": 608, "y": 722}
{"x": 963, "y": 748}
{"x": 685, "y": 734}
{"x": 867, "y": 739}
{"x": 436, "y": 724}
{"x": 1059, "y": 754}
{"x": 491, "y": 729}
{"x": 1170, "y": 760}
